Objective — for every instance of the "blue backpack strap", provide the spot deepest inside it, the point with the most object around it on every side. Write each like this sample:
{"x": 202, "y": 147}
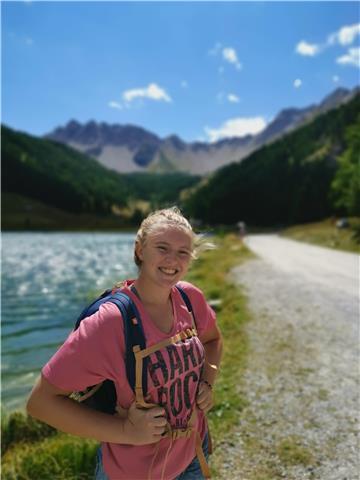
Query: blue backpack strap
{"x": 133, "y": 330}
{"x": 93, "y": 307}
{"x": 134, "y": 335}
{"x": 186, "y": 299}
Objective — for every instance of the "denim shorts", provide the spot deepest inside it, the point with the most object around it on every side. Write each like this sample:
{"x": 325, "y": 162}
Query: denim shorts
{"x": 192, "y": 472}
{"x": 99, "y": 469}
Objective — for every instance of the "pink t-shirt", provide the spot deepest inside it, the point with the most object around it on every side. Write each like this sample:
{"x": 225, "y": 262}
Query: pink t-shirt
{"x": 96, "y": 351}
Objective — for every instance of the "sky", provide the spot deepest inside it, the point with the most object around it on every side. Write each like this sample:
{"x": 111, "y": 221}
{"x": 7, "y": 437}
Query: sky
{"x": 200, "y": 70}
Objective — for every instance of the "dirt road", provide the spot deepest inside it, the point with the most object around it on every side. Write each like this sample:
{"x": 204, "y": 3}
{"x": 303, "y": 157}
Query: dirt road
{"x": 302, "y": 378}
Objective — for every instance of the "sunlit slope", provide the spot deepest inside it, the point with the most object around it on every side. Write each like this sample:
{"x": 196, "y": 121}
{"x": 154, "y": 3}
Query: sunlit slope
{"x": 286, "y": 182}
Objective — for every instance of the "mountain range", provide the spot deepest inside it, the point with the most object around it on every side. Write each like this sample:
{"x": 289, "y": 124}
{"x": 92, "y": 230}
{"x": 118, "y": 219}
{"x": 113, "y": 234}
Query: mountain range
{"x": 128, "y": 148}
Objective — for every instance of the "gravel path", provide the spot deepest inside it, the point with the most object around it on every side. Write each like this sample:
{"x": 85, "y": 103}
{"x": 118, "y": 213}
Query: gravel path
{"x": 302, "y": 378}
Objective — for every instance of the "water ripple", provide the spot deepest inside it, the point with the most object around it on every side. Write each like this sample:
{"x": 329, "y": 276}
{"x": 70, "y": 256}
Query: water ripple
{"x": 47, "y": 279}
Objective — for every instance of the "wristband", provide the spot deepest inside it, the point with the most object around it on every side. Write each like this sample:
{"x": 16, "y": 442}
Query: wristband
{"x": 212, "y": 366}
{"x": 207, "y": 383}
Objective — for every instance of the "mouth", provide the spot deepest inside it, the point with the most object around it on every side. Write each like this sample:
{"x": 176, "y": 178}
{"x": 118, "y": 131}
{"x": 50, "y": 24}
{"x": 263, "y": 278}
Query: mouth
{"x": 169, "y": 271}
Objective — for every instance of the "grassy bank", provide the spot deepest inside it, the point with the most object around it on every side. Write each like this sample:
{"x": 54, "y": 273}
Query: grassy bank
{"x": 32, "y": 451}
{"x": 210, "y": 274}
{"x": 326, "y": 234}
{"x": 26, "y": 214}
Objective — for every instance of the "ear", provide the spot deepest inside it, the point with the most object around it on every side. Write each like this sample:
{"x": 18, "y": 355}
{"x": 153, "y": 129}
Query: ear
{"x": 139, "y": 250}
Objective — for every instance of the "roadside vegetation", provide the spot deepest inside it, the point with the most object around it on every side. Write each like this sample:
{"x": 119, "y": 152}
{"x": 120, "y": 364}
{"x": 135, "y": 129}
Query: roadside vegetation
{"x": 327, "y": 234}
{"x": 33, "y": 451}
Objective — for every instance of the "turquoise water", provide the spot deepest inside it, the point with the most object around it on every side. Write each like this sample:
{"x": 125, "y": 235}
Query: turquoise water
{"x": 47, "y": 279}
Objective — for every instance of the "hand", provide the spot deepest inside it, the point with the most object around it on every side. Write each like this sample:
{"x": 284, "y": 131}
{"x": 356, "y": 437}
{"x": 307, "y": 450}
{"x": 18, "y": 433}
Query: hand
{"x": 143, "y": 426}
{"x": 204, "y": 398}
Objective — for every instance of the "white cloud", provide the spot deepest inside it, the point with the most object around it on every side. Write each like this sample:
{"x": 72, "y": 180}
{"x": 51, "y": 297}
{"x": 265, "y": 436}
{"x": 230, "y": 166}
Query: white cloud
{"x": 345, "y": 36}
{"x": 233, "y": 98}
{"x": 152, "y": 91}
{"x": 335, "y": 79}
{"x": 297, "y": 83}
{"x": 350, "y": 58}
{"x": 307, "y": 49}
{"x": 236, "y": 127}
{"x": 117, "y": 105}
{"x": 229, "y": 54}
{"x": 184, "y": 84}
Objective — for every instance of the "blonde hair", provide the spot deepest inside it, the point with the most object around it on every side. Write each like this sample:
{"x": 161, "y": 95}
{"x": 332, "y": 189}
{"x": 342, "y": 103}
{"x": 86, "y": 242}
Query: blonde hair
{"x": 172, "y": 217}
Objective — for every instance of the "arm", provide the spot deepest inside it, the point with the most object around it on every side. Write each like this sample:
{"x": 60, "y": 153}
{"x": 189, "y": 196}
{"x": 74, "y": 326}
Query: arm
{"x": 52, "y": 405}
{"x": 212, "y": 342}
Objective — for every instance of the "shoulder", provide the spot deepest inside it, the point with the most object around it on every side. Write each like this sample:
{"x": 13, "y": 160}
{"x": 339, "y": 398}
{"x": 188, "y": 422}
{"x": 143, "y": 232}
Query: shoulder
{"x": 194, "y": 293}
{"x": 205, "y": 316}
{"x": 189, "y": 288}
{"x": 106, "y": 318}
{"x": 102, "y": 329}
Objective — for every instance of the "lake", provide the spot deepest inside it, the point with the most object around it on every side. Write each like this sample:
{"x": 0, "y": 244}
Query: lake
{"x": 47, "y": 279}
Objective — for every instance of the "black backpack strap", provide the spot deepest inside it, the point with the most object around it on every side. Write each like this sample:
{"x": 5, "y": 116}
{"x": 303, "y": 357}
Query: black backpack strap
{"x": 186, "y": 299}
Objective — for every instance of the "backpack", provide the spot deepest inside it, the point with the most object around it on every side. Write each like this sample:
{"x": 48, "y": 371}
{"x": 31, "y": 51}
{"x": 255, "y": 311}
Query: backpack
{"x": 102, "y": 397}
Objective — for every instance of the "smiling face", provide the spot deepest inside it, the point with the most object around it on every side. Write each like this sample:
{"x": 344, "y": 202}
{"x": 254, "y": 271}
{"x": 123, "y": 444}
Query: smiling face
{"x": 165, "y": 255}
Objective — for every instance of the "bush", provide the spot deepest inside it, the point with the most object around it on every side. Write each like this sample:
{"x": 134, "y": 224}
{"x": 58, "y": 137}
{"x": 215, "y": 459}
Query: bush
{"x": 355, "y": 227}
{"x": 18, "y": 427}
{"x": 61, "y": 457}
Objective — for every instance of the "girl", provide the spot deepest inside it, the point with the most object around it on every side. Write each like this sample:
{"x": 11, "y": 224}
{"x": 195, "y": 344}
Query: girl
{"x": 166, "y": 438}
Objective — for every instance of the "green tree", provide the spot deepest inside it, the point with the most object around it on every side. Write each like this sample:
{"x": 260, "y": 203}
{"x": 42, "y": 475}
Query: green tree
{"x": 346, "y": 184}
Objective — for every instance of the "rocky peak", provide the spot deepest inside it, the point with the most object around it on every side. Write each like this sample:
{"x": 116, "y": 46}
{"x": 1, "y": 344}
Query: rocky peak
{"x": 335, "y": 98}
{"x": 102, "y": 134}
{"x": 175, "y": 142}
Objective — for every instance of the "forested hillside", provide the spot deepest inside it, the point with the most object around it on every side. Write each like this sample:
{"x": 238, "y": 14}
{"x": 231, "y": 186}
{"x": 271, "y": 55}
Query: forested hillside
{"x": 58, "y": 176}
{"x": 305, "y": 176}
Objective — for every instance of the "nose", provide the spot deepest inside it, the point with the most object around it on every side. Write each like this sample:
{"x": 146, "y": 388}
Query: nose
{"x": 171, "y": 256}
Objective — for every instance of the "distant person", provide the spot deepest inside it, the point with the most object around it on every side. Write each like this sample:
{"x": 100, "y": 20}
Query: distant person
{"x": 242, "y": 230}
{"x": 161, "y": 434}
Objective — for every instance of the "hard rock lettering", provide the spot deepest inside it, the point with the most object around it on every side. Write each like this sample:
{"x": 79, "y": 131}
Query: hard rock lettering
{"x": 189, "y": 376}
{"x": 188, "y": 352}
{"x": 160, "y": 364}
{"x": 175, "y": 361}
{"x": 176, "y": 401}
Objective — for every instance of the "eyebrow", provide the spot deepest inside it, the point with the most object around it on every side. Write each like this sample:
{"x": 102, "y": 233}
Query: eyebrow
{"x": 162, "y": 242}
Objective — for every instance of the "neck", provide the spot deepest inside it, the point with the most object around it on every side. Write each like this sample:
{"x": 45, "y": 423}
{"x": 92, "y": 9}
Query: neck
{"x": 151, "y": 294}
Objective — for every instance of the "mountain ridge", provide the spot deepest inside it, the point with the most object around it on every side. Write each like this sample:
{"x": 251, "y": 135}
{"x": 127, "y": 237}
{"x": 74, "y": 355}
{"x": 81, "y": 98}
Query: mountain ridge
{"x": 130, "y": 148}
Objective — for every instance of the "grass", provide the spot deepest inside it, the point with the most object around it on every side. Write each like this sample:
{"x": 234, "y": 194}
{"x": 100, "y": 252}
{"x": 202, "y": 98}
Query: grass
{"x": 291, "y": 451}
{"x": 210, "y": 274}
{"x": 62, "y": 457}
{"x": 26, "y": 214}
{"x": 326, "y": 234}
{"x": 32, "y": 450}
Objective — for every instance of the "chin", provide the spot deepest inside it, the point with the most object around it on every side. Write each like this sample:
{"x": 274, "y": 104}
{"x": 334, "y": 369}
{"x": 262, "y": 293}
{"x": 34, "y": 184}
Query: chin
{"x": 169, "y": 282}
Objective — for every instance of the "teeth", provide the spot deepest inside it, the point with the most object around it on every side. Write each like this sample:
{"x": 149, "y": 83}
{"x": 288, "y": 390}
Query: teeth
{"x": 169, "y": 271}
